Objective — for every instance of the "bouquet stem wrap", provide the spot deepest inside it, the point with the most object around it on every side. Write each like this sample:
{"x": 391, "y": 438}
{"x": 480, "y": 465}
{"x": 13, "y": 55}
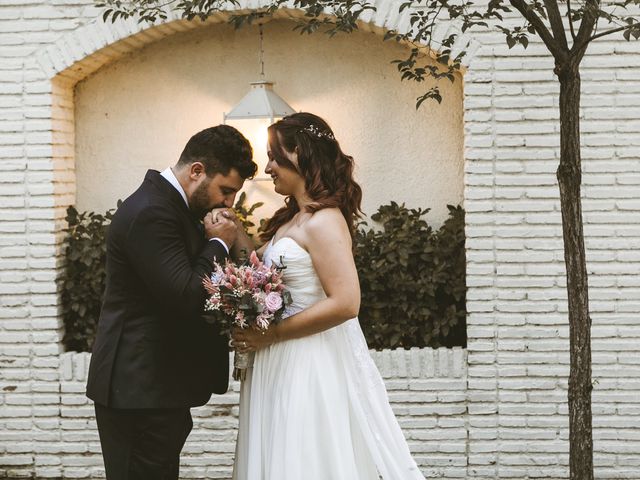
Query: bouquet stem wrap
{"x": 241, "y": 362}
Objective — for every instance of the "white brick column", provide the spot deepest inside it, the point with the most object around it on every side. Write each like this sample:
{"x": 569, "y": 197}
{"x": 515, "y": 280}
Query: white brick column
{"x": 518, "y": 328}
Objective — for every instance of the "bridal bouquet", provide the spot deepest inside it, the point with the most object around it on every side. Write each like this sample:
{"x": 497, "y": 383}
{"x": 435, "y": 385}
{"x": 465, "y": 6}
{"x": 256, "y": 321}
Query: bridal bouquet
{"x": 250, "y": 295}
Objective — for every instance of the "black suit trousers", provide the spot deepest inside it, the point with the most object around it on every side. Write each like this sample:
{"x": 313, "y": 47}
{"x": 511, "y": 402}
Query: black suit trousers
{"x": 142, "y": 444}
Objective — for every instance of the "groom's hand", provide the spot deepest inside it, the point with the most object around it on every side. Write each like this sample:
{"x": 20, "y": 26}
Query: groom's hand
{"x": 224, "y": 229}
{"x": 243, "y": 244}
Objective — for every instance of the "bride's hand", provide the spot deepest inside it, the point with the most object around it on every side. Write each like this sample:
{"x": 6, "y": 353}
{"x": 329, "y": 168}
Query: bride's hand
{"x": 227, "y": 213}
{"x": 251, "y": 339}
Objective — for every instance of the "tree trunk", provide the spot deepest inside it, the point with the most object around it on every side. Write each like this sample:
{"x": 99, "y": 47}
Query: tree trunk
{"x": 569, "y": 179}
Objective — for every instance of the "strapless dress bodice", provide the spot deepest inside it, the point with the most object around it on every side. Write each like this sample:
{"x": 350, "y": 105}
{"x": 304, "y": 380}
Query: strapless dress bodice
{"x": 299, "y": 275}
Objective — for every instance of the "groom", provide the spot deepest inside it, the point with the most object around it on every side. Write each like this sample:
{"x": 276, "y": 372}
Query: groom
{"x": 154, "y": 356}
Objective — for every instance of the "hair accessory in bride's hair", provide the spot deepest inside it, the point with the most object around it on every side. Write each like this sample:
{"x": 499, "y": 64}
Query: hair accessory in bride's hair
{"x": 316, "y": 132}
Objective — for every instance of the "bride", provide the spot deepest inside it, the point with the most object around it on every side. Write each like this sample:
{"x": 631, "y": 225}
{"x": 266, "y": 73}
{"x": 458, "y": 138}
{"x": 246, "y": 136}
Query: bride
{"x": 314, "y": 406}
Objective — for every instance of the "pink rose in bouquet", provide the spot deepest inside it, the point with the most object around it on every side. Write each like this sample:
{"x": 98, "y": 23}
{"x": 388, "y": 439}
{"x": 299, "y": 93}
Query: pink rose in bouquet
{"x": 273, "y": 301}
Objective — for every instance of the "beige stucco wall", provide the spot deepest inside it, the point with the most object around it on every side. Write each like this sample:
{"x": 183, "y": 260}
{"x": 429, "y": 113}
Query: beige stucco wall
{"x": 138, "y": 112}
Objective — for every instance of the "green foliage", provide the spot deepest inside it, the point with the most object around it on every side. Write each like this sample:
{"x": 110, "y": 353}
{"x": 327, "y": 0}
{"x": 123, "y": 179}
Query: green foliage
{"x": 412, "y": 279}
{"x": 245, "y": 213}
{"x": 83, "y": 279}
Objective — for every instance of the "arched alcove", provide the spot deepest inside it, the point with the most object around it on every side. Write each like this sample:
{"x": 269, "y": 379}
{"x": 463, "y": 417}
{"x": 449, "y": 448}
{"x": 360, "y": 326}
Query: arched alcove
{"x": 132, "y": 104}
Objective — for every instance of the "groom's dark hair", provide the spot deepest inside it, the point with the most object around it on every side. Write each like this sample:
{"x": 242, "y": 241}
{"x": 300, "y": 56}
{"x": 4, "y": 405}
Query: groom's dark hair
{"x": 220, "y": 149}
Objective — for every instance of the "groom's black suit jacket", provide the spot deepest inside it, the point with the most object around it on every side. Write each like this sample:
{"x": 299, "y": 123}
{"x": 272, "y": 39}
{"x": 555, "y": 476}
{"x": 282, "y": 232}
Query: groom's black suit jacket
{"x": 153, "y": 349}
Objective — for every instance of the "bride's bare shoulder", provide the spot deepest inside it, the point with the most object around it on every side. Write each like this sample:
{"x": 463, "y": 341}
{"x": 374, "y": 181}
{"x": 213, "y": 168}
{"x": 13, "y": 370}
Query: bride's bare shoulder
{"x": 328, "y": 222}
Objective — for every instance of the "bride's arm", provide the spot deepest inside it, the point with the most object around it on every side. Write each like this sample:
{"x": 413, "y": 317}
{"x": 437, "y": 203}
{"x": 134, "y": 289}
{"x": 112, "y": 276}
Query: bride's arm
{"x": 243, "y": 242}
{"x": 260, "y": 251}
{"x": 329, "y": 244}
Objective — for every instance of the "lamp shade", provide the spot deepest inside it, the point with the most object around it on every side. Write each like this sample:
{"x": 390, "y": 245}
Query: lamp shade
{"x": 260, "y": 102}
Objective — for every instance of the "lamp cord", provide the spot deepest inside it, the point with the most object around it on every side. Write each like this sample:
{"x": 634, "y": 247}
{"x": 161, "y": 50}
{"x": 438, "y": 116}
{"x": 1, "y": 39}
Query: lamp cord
{"x": 261, "y": 52}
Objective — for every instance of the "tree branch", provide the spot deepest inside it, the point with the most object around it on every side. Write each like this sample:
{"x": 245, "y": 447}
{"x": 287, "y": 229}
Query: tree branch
{"x": 589, "y": 18}
{"x": 555, "y": 19}
{"x": 614, "y": 30}
{"x": 528, "y": 13}
{"x": 573, "y": 33}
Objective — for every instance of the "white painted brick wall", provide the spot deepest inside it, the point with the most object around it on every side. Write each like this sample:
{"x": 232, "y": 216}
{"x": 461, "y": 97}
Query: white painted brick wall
{"x": 427, "y": 389}
{"x": 503, "y": 413}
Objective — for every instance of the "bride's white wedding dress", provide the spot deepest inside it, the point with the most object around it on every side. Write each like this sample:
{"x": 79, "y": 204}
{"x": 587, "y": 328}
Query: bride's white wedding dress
{"x": 316, "y": 408}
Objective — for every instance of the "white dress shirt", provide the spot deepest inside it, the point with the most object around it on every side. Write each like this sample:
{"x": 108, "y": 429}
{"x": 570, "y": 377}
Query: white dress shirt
{"x": 171, "y": 178}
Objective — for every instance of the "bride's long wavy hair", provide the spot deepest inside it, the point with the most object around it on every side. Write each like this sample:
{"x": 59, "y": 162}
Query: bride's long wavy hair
{"x": 326, "y": 169}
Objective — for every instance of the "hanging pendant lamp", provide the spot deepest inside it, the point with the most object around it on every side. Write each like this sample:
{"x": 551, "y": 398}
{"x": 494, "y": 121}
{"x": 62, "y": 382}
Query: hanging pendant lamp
{"x": 258, "y": 109}
{"x": 260, "y": 102}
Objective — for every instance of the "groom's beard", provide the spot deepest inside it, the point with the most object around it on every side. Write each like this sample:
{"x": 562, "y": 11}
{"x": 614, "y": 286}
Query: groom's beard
{"x": 200, "y": 203}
